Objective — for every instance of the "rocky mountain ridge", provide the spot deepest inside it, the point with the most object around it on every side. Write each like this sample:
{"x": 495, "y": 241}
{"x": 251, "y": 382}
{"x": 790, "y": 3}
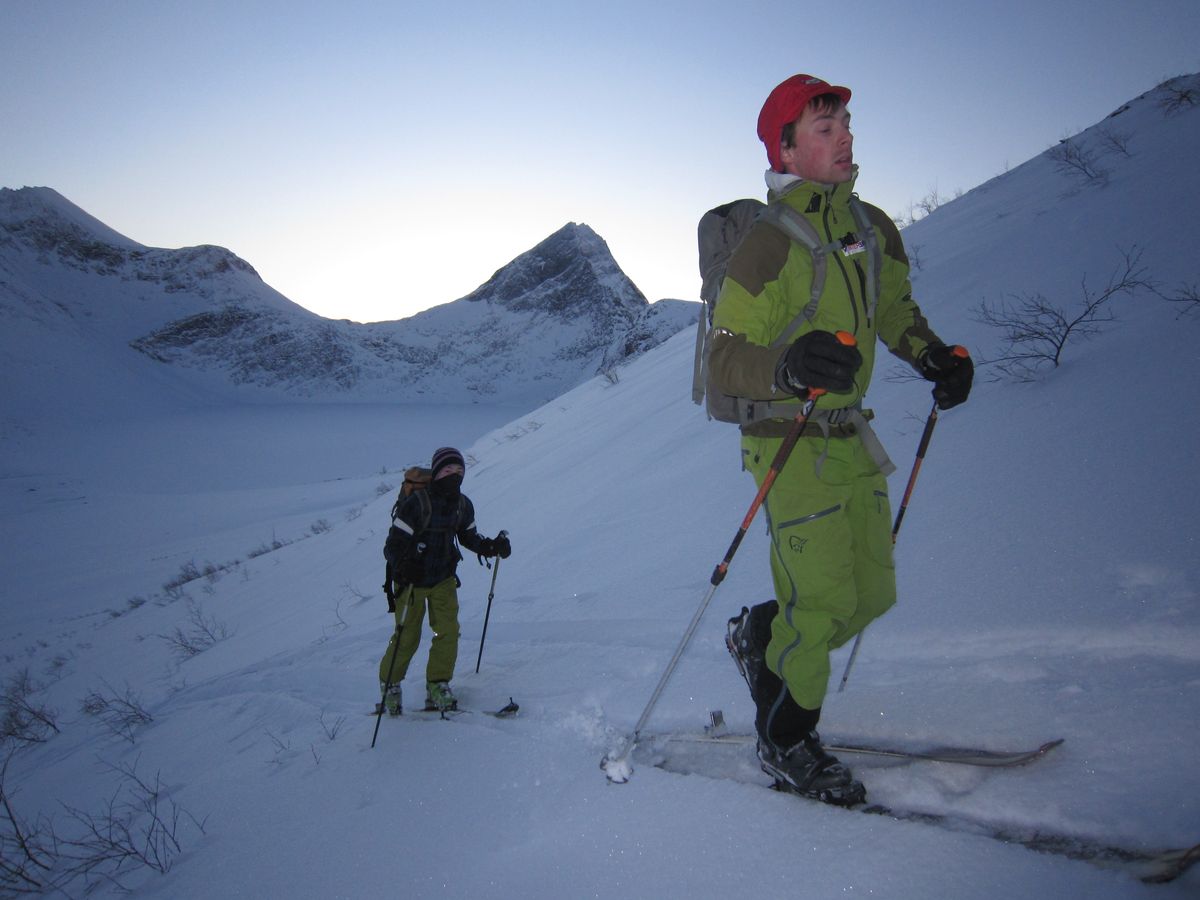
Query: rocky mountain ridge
{"x": 553, "y": 317}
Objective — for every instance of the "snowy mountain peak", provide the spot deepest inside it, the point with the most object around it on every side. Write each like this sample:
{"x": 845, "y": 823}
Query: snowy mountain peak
{"x": 56, "y": 231}
{"x": 555, "y": 316}
{"x": 571, "y": 270}
{"x": 43, "y": 211}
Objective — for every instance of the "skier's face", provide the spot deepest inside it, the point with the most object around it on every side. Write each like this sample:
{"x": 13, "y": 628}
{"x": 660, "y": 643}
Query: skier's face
{"x": 822, "y": 146}
{"x": 449, "y": 483}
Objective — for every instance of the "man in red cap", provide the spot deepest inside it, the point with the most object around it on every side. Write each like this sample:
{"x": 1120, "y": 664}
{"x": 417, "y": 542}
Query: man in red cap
{"x": 781, "y": 305}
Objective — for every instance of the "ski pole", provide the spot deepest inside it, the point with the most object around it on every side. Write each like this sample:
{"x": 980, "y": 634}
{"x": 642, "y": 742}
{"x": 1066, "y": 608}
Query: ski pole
{"x": 387, "y": 685}
{"x": 617, "y": 770}
{"x": 487, "y": 615}
{"x": 922, "y": 446}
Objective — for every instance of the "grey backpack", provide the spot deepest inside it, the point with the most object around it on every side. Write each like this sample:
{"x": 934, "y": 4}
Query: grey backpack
{"x": 720, "y": 232}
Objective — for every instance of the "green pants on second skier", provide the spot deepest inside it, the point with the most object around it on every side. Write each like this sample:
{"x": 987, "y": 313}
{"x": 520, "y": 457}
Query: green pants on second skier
{"x": 442, "y": 603}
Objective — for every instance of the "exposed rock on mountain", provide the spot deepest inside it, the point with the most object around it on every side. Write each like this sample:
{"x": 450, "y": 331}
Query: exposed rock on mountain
{"x": 553, "y": 317}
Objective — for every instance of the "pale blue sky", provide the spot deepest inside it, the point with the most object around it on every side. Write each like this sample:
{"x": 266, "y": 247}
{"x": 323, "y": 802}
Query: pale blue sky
{"x": 374, "y": 159}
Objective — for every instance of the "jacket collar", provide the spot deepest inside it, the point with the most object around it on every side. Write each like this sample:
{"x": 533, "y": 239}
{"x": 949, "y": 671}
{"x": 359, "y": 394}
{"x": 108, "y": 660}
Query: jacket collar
{"x": 781, "y": 184}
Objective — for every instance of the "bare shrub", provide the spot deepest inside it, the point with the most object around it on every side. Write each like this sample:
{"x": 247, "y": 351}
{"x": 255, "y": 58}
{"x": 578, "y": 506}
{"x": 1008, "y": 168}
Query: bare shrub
{"x": 1178, "y": 95}
{"x": 1188, "y": 295}
{"x": 1036, "y": 331}
{"x": 914, "y": 256}
{"x": 1072, "y": 158}
{"x": 200, "y": 633}
{"x": 120, "y": 713}
{"x": 139, "y": 827}
{"x": 1113, "y": 141}
{"x": 332, "y": 729}
{"x": 24, "y": 720}
{"x": 265, "y": 548}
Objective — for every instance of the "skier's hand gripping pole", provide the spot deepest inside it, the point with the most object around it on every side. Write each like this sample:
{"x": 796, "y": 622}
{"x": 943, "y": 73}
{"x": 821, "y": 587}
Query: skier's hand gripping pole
{"x": 781, "y": 457}
{"x": 617, "y": 768}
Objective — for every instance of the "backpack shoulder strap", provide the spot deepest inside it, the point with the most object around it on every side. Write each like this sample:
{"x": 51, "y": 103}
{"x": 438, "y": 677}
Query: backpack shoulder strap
{"x": 426, "y": 510}
{"x": 800, "y": 230}
{"x": 866, "y": 231}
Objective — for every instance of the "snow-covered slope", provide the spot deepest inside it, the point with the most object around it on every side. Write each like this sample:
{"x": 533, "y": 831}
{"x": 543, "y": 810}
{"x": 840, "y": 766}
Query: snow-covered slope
{"x": 79, "y": 294}
{"x": 1048, "y": 585}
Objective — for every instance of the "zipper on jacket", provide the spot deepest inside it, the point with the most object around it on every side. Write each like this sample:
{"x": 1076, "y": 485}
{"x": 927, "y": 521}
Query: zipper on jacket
{"x": 862, "y": 284}
{"x": 841, "y": 266}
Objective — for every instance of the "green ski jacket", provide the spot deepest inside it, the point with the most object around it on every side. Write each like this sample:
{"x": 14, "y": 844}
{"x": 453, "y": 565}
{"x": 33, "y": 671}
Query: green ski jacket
{"x": 768, "y": 285}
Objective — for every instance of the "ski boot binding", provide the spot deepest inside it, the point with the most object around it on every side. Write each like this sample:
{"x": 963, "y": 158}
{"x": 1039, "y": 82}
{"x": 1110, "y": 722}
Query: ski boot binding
{"x": 808, "y": 771}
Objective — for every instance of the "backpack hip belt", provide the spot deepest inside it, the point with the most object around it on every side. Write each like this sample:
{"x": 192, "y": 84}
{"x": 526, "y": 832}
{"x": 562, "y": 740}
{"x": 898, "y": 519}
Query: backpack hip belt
{"x": 846, "y": 422}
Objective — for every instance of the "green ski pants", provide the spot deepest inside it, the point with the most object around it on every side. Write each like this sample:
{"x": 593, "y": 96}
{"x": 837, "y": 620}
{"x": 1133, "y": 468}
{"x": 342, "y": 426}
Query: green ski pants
{"x": 442, "y": 601}
{"x": 831, "y": 554}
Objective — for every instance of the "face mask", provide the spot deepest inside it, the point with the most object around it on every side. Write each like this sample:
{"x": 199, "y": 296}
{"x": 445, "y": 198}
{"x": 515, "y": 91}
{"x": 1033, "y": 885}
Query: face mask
{"x": 449, "y": 484}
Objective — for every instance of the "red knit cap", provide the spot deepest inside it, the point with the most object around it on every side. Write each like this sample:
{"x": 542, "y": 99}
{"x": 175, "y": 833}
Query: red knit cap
{"x": 785, "y": 104}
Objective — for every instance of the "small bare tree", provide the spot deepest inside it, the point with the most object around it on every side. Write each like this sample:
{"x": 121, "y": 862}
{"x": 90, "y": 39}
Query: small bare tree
{"x": 26, "y": 850}
{"x": 1113, "y": 141}
{"x": 1036, "y": 331}
{"x": 139, "y": 827}
{"x": 23, "y": 719}
{"x": 1072, "y": 158}
{"x": 1188, "y": 295}
{"x": 930, "y": 201}
{"x": 201, "y": 633}
{"x": 120, "y": 713}
{"x": 1178, "y": 94}
{"x": 914, "y": 256}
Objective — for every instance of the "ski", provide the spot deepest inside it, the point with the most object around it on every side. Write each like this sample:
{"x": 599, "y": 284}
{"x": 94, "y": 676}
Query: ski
{"x": 965, "y": 756}
{"x": 507, "y": 711}
{"x": 1149, "y": 865}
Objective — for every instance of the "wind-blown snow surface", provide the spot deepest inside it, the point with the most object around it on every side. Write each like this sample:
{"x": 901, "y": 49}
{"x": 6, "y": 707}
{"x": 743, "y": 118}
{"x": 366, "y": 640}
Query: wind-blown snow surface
{"x": 1047, "y": 573}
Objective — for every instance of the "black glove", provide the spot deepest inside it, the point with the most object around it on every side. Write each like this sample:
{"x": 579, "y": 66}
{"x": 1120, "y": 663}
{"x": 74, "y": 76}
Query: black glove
{"x": 497, "y": 546}
{"x": 501, "y": 545}
{"x": 951, "y": 371}
{"x": 818, "y": 360}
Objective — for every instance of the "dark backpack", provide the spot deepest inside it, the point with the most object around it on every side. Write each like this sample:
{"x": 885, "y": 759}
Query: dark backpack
{"x": 720, "y": 233}
{"x": 417, "y": 481}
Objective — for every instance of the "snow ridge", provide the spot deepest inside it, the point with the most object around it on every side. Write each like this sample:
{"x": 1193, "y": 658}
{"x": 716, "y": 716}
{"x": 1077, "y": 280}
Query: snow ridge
{"x": 555, "y": 316}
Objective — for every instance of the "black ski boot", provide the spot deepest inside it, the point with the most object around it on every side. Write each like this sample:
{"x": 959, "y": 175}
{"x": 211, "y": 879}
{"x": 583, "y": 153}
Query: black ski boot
{"x": 789, "y": 748}
{"x": 806, "y": 769}
{"x": 746, "y": 637}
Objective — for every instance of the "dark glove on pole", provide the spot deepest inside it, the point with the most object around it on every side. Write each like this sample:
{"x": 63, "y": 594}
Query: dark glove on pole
{"x": 951, "y": 371}
{"x": 818, "y": 361}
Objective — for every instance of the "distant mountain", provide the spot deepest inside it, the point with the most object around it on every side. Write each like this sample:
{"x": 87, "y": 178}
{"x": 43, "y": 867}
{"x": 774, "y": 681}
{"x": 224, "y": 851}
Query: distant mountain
{"x": 552, "y": 318}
